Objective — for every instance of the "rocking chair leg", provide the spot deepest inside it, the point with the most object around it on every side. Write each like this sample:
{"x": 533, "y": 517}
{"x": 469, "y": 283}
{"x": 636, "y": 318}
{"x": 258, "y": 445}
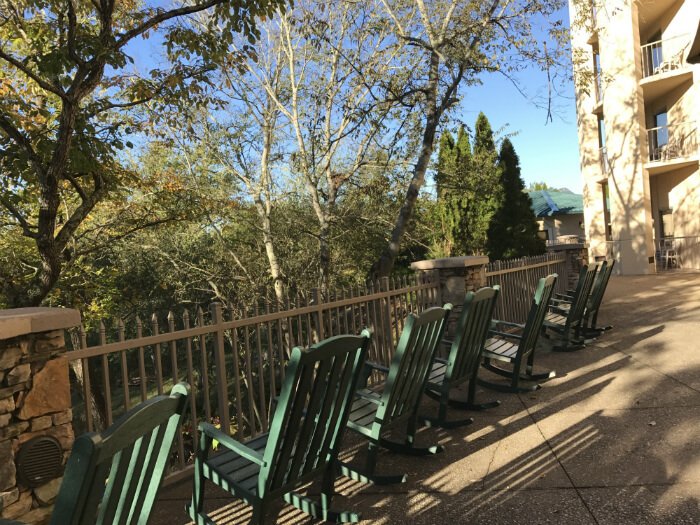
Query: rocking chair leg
{"x": 470, "y": 404}
{"x": 321, "y": 511}
{"x": 367, "y": 474}
{"x": 409, "y": 448}
{"x": 441, "y": 421}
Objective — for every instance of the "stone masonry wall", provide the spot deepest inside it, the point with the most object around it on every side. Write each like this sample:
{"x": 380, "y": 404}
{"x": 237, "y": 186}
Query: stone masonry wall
{"x": 34, "y": 401}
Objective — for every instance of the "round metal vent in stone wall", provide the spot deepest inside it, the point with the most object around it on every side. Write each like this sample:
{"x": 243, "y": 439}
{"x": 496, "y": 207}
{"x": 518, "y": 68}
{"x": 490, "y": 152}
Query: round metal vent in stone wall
{"x": 39, "y": 461}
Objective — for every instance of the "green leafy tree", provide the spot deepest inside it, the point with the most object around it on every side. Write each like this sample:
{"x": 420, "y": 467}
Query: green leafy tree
{"x": 478, "y": 191}
{"x": 513, "y": 229}
{"x": 69, "y": 101}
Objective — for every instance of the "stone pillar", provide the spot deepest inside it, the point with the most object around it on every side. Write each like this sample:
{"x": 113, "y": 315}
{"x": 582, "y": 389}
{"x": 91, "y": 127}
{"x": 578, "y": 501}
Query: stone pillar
{"x": 457, "y": 276}
{"x": 34, "y": 401}
{"x": 576, "y": 256}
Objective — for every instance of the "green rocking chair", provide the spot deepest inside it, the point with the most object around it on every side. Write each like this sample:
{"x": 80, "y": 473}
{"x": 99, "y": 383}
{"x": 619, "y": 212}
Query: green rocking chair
{"x": 113, "y": 477}
{"x": 517, "y": 345}
{"x": 396, "y": 402}
{"x": 462, "y": 363}
{"x": 565, "y": 318}
{"x": 302, "y": 443}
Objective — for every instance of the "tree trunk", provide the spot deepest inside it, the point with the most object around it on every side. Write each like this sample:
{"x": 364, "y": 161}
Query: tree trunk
{"x": 385, "y": 264}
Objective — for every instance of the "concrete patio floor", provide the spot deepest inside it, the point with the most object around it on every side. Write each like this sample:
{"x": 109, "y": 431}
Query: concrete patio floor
{"x": 613, "y": 439}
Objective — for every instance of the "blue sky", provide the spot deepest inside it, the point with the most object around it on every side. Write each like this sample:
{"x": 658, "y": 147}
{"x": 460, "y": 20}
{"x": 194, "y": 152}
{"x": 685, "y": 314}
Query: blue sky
{"x": 548, "y": 150}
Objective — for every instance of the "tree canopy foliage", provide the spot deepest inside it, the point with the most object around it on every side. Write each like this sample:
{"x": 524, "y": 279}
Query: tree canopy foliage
{"x": 272, "y": 147}
{"x": 67, "y": 110}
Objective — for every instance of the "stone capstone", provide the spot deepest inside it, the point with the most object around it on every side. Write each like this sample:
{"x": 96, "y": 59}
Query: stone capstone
{"x": 46, "y": 493}
{"x": 50, "y": 391}
{"x": 7, "y": 466}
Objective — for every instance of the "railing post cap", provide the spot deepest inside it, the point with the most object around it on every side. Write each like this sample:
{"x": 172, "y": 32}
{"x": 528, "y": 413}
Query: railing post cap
{"x": 450, "y": 262}
{"x": 22, "y": 321}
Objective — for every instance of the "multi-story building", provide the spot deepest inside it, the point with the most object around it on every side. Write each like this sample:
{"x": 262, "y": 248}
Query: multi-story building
{"x": 638, "y": 106}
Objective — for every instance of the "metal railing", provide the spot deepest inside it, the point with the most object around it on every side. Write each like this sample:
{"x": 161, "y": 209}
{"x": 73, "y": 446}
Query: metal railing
{"x": 678, "y": 252}
{"x": 234, "y": 358}
{"x": 664, "y": 55}
{"x": 672, "y": 142}
{"x": 518, "y": 279}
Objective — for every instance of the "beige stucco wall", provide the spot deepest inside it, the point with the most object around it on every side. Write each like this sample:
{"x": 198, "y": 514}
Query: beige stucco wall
{"x": 561, "y": 225}
{"x": 636, "y": 197}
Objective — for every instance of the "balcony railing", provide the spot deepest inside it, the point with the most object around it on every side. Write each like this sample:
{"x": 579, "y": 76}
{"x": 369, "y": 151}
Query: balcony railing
{"x": 676, "y": 141}
{"x": 664, "y": 55}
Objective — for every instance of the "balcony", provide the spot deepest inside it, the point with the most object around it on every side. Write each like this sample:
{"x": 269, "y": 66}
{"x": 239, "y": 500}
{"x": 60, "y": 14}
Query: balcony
{"x": 671, "y": 147}
{"x": 664, "y": 67}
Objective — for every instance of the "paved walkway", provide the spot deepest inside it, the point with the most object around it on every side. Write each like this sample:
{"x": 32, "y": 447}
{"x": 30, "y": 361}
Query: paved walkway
{"x": 614, "y": 439}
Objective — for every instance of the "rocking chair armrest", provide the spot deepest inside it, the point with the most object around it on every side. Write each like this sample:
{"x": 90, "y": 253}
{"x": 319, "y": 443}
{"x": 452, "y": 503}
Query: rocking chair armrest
{"x": 560, "y": 311}
{"x": 441, "y": 360}
{"x": 505, "y": 334}
{"x": 377, "y": 366}
{"x": 496, "y": 322}
{"x": 559, "y": 301}
{"x": 236, "y": 446}
{"x": 369, "y": 398}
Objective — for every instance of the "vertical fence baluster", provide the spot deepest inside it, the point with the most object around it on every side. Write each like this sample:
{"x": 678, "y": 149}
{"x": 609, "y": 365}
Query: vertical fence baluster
{"x": 87, "y": 390}
{"x": 175, "y": 373}
{"x": 235, "y": 353}
{"x": 249, "y": 376}
{"x": 204, "y": 359}
{"x": 220, "y": 363}
{"x": 157, "y": 355}
{"x": 106, "y": 386}
{"x": 262, "y": 403}
{"x": 190, "y": 379}
{"x": 121, "y": 335}
{"x": 142, "y": 360}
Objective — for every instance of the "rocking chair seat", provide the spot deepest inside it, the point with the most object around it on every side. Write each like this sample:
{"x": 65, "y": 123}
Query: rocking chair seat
{"x": 231, "y": 469}
{"x": 500, "y": 349}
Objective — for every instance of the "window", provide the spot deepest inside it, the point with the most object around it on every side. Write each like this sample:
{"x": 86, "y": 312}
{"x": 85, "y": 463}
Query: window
{"x": 658, "y": 136}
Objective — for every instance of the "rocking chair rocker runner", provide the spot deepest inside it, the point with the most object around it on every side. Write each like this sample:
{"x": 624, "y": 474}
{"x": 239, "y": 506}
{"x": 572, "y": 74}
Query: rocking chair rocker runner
{"x": 303, "y": 440}
{"x": 514, "y": 348}
{"x": 565, "y": 318}
{"x": 375, "y": 411}
{"x": 462, "y": 364}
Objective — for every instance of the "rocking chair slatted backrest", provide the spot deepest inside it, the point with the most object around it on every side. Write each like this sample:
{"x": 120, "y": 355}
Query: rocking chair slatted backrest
{"x": 312, "y": 409}
{"x": 113, "y": 477}
{"x": 472, "y": 330}
{"x": 598, "y": 290}
{"x": 537, "y": 313}
{"x": 580, "y": 298}
{"x": 411, "y": 363}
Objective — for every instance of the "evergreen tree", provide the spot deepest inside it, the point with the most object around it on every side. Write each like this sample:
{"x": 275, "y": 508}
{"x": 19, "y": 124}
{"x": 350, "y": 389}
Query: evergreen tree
{"x": 513, "y": 229}
{"x": 480, "y": 190}
{"x": 451, "y": 192}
